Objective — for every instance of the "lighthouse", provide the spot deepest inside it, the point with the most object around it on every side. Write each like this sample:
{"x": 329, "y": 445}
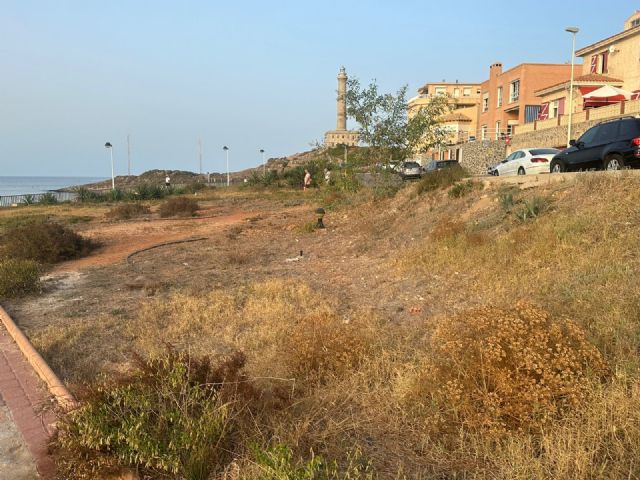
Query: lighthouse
{"x": 341, "y": 136}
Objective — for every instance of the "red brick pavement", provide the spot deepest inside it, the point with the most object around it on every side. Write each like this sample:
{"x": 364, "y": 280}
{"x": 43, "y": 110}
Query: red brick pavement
{"x": 29, "y": 402}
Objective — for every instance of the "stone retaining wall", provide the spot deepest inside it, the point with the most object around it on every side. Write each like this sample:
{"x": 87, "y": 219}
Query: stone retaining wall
{"x": 477, "y": 156}
{"x": 554, "y": 136}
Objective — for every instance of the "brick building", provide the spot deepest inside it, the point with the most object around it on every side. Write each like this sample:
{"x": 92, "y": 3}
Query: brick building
{"x": 509, "y": 98}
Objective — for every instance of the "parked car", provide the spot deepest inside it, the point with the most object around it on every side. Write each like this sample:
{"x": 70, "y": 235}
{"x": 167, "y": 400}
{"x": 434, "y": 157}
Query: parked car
{"x": 609, "y": 145}
{"x": 526, "y": 160}
{"x": 434, "y": 165}
{"x": 410, "y": 170}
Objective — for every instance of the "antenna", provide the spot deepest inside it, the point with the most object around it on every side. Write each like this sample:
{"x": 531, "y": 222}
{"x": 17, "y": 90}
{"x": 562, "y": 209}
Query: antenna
{"x": 200, "y": 154}
{"x": 128, "y": 155}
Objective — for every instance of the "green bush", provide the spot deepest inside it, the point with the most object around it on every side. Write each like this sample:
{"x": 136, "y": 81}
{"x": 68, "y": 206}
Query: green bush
{"x": 278, "y": 463}
{"x": 169, "y": 417}
{"x": 146, "y": 191}
{"x": 45, "y": 242}
{"x": 89, "y": 196}
{"x": 180, "y": 207}
{"x": 128, "y": 210}
{"x": 444, "y": 178}
{"x": 48, "y": 199}
{"x": 461, "y": 189}
{"x": 18, "y": 277}
{"x": 531, "y": 208}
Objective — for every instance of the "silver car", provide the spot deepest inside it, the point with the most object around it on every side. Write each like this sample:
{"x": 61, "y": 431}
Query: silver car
{"x": 410, "y": 170}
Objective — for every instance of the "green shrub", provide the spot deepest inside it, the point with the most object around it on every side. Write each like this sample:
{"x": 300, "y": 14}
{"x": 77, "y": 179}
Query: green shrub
{"x": 532, "y": 208}
{"x": 278, "y": 463}
{"x": 461, "y": 189}
{"x": 146, "y": 191}
{"x": 506, "y": 199}
{"x": 89, "y": 196}
{"x": 439, "y": 179}
{"x": 18, "y": 277}
{"x": 180, "y": 207}
{"x": 45, "y": 242}
{"x": 48, "y": 199}
{"x": 115, "y": 195}
{"x": 128, "y": 210}
{"x": 172, "y": 416}
{"x": 29, "y": 199}
{"x": 345, "y": 181}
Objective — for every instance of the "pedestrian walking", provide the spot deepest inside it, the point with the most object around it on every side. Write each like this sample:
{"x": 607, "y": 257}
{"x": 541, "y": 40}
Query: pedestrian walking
{"x": 307, "y": 179}
{"x": 167, "y": 182}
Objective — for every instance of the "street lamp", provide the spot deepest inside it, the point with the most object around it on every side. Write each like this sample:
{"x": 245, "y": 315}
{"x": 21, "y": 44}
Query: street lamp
{"x": 226, "y": 149}
{"x": 109, "y": 147}
{"x": 572, "y": 31}
{"x": 264, "y": 165}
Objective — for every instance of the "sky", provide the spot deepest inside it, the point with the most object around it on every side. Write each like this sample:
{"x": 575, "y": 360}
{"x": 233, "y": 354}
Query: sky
{"x": 247, "y": 74}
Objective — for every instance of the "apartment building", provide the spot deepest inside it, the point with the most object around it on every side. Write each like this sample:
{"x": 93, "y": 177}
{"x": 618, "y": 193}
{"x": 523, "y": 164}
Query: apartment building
{"x": 617, "y": 56}
{"x": 613, "y": 61}
{"x": 508, "y": 98}
{"x": 463, "y": 99}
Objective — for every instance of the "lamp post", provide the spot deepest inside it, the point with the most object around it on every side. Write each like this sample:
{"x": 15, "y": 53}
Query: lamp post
{"x": 264, "y": 165}
{"x": 226, "y": 149}
{"x": 572, "y": 31}
{"x": 109, "y": 147}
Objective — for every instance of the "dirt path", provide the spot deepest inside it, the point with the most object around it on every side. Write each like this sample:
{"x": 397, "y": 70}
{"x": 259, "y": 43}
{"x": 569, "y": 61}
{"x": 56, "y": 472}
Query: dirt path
{"x": 121, "y": 239}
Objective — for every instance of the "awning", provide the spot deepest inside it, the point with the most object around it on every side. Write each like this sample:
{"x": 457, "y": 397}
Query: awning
{"x": 605, "y": 96}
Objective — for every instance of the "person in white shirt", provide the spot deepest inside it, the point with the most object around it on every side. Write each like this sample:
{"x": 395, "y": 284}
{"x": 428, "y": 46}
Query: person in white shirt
{"x": 307, "y": 179}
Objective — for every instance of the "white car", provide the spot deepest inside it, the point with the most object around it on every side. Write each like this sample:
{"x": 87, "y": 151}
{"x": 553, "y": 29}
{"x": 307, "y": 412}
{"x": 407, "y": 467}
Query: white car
{"x": 522, "y": 162}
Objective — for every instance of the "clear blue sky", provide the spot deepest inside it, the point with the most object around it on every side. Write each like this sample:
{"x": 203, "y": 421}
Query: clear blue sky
{"x": 247, "y": 74}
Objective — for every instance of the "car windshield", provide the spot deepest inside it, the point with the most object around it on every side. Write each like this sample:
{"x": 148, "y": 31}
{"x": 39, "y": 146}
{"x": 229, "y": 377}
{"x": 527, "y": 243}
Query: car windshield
{"x": 411, "y": 165}
{"x": 544, "y": 151}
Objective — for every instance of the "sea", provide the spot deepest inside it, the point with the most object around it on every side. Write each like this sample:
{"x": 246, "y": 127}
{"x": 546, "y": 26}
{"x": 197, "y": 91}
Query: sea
{"x": 30, "y": 185}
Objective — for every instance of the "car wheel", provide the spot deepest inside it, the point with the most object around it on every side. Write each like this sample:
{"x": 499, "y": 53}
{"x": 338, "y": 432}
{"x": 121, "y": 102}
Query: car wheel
{"x": 613, "y": 162}
{"x": 557, "y": 166}
{"x": 521, "y": 171}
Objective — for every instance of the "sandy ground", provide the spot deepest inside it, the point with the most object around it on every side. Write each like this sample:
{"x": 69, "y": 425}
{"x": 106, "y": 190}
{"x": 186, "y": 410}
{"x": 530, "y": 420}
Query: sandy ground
{"x": 15, "y": 460}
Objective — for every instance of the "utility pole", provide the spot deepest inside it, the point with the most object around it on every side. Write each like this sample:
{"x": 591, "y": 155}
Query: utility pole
{"x": 128, "y": 155}
{"x": 200, "y": 154}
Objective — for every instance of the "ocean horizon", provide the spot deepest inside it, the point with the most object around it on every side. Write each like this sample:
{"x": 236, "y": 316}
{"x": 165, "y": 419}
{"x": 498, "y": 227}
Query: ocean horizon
{"x": 23, "y": 185}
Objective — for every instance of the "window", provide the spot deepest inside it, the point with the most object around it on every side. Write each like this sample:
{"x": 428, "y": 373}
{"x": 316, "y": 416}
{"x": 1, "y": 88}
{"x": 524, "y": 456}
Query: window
{"x": 588, "y": 136}
{"x": 607, "y": 132}
{"x": 604, "y": 62}
{"x": 483, "y": 132}
{"x": 635, "y": 22}
{"x": 441, "y": 90}
{"x": 510, "y": 130}
{"x": 466, "y": 92}
{"x": 499, "y": 97}
{"x": 629, "y": 129}
{"x": 456, "y": 92}
{"x": 485, "y": 102}
{"x": 514, "y": 91}
{"x": 497, "y": 130}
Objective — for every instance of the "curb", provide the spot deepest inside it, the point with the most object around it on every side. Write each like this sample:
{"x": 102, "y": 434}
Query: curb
{"x": 54, "y": 384}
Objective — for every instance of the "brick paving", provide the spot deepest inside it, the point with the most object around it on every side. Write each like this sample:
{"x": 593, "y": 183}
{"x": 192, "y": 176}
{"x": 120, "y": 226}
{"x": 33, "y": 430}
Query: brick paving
{"x": 29, "y": 404}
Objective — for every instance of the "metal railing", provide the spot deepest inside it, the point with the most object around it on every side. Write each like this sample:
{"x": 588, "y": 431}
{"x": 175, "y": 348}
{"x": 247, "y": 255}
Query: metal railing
{"x": 30, "y": 199}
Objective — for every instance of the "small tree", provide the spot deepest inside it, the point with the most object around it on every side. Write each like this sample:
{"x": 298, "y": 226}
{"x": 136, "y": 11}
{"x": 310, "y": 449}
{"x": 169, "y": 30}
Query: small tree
{"x": 384, "y": 124}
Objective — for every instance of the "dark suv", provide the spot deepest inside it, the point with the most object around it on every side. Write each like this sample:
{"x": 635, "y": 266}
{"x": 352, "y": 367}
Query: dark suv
{"x": 609, "y": 145}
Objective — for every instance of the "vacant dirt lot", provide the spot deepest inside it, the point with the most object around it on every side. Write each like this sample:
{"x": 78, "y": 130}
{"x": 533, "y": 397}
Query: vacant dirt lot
{"x": 345, "y": 320}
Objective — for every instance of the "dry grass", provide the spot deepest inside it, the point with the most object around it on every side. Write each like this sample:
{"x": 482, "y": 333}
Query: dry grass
{"x": 127, "y": 211}
{"x": 354, "y": 376}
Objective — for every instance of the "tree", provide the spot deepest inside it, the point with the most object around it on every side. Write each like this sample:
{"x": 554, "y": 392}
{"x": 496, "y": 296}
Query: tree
{"x": 384, "y": 124}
